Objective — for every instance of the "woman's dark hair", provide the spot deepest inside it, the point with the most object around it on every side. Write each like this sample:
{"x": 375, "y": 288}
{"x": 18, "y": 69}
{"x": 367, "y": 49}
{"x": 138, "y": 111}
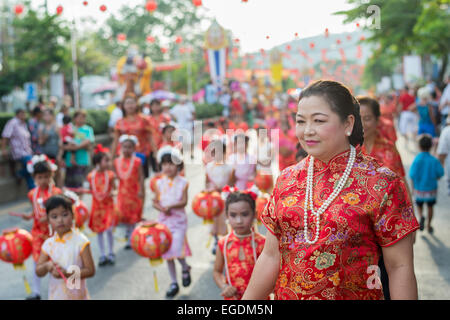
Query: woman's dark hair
{"x": 49, "y": 111}
{"x": 371, "y": 103}
{"x": 240, "y": 196}
{"x": 341, "y": 102}
{"x": 167, "y": 158}
{"x": 97, "y": 158}
{"x": 128, "y": 96}
{"x": 425, "y": 142}
{"x": 79, "y": 113}
{"x": 36, "y": 111}
{"x": 41, "y": 167}
{"x": 301, "y": 153}
{"x": 155, "y": 101}
{"x": 58, "y": 201}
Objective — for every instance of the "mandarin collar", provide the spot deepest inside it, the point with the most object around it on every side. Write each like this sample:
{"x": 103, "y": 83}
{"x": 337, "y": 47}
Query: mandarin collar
{"x": 67, "y": 236}
{"x": 337, "y": 164}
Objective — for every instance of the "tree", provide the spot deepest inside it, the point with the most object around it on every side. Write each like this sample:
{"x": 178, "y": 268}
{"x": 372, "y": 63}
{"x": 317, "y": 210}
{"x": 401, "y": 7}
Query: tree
{"x": 407, "y": 27}
{"x": 39, "y": 49}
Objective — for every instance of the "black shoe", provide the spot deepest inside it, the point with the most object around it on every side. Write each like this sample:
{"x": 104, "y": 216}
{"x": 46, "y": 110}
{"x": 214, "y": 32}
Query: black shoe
{"x": 186, "y": 275}
{"x": 173, "y": 290}
{"x": 214, "y": 249}
{"x": 33, "y": 297}
{"x": 128, "y": 246}
{"x": 430, "y": 229}
{"x": 103, "y": 261}
{"x": 111, "y": 259}
{"x": 422, "y": 224}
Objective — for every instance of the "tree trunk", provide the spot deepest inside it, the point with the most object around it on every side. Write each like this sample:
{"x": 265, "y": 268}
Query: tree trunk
{"x": 443, "y": 68}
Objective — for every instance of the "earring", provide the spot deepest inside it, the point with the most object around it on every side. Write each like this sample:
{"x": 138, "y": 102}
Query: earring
{"x": 349, "y": 134}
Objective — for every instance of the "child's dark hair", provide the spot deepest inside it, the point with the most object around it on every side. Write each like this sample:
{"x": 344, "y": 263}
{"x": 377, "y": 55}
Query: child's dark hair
{"x": 67, "y": 119}
{"x": 98, "y": 157}
{"x": 58, "y": 201}
{"x": 41, "y": 167}
{"x": 167, "y": 158}
{"x": 425, "y": 142}
{"x": 240, "y": 196}
{"x": 167, "y": 127}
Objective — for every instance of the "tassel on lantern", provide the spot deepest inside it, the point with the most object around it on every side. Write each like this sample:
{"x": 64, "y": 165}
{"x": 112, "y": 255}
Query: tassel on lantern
{"x": 19, "y": 266}
{"x": 208, "y": 244}
{"x": 156, "y": 262}
{"x": 155, "y": 281}
{"x": 27, "y": 285}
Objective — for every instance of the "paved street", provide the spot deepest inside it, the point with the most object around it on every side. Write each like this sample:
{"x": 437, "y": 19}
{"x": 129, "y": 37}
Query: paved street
{"x": 132, "y": 276}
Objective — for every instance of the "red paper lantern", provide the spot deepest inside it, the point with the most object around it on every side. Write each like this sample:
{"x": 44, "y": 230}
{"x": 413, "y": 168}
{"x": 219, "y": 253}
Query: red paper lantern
{"x": 18, "y": 9}
{"x": 59, "y": 10}
{"x": 312, "y": 45}
{"x": 150, "y": 39}
{"x": 288, "y": 47}
{"x": 208, "y": 205}
{"x": 151, "y": 6}
{"x": 85, "y": 3}
{"x": 338, "y": 41}
{"x": 179, "y": 40}
{"x": 267, "y": 37}
{"x": 103, "y": 8}
{"x": 264, "y": 182}
{"x": 15, "y": 246}
{"x": 197, "y": 3}
{"x": 81, "y": 214}
{"x": 155, "y": 179}
{"x": 164, "y": 50}
{"x": 260, "y": 204}
{"x": 327, "y": 33}
{"x": 121, "y": 37}
{"x": 236, "y": 40}
{"x": 151, "y": 239}
{"x": 362, "y": 38}
{"x": 349, "y": 37}
{"x": 296, "y": 34}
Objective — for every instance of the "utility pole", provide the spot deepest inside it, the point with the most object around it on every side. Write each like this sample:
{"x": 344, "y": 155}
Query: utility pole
{"x": 76, "y": 88}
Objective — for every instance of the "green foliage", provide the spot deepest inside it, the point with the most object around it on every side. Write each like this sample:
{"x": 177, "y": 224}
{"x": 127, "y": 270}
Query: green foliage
{"x": 98, "y": 120}
{"x": 39, "y": 49}
{"x": 199, "y": 78}
{"x": 206, "y": 111}
{"x": 406, "y": 27}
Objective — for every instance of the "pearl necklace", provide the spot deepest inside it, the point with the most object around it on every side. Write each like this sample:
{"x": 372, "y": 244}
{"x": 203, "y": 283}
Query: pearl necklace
{"x": 309, "y": 205}
{"x": 100, "y": 195}
{"x": 39, "y": 205}
{"x": 125, "y": 175}
{"x": 227, "y": 272}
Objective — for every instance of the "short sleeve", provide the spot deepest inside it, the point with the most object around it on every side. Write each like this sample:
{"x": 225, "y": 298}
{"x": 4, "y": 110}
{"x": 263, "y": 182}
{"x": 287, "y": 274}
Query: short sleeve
{"x": 8, "y": 130}
{"x": 90, "y": 135}
{"x": 46, "y": 246}
{"x": 395, "y": 218}
{"x": 269, "y": 215}
{"x": 220, "y": 244}
{"x": 83, "y": 242}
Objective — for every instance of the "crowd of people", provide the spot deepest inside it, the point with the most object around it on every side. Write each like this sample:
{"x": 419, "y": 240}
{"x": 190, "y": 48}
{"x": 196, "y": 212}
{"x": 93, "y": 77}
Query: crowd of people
{"x": 341, "y": 204}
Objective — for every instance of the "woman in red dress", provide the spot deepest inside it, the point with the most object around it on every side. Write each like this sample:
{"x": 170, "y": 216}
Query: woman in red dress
{"x": 138, "y": 125}
{"x": 330, "y": 214}
{"x": 375, "y": 145}
{"x": 131, "y": 195}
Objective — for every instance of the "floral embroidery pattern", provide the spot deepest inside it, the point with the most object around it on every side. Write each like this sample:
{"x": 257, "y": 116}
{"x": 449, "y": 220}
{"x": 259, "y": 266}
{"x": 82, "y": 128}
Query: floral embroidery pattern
{"x": 351, "y": 198}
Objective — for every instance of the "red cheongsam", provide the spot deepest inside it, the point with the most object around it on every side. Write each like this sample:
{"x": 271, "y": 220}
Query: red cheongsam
{"x": 241, "y": 270}
{"x": 140, "y": 127}
{"x": 372, "y": 210}
{"x": 386, "y": 153}
{"x": 102, "y": 215}
{"x": 386, "y": 129}
{"x": 40, "y": 230}
{"x": 155, "y": 123}
{"x": 128, "y": 202}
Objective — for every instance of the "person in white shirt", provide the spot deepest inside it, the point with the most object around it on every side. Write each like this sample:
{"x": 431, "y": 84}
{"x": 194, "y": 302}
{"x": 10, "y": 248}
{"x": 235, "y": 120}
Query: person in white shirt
{"x": 443, "y": 151}
{"x": 116, "y": 115}
{"x": 444, "y": 105}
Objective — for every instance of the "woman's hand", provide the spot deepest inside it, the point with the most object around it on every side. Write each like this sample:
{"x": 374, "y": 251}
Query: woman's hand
{"x": 228, "y": 291}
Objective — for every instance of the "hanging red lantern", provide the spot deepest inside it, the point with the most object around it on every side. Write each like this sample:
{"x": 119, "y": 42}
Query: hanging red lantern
{"x": 327, "y": 33}
{"x": 208, "y": 205}
{"x": 312, "y": 45}
{"x": 260, "y": 205}
{"x": 81, "y": 214}
{"x": 103, "y": 8}
{"x": 288, "y": 47}
{"x": 362, "y": 38}
{"x": 349, "y": 37}
{"x": 59, "y": 10}
{"x": 235, "y": 50}
{"x": 150, "y": 39}
{"x": 151, "y": 6}
{"x": 85, "y": 3}
{"x": 236, "y": 40}
{"x": 263, "y": 52}
{"x": 264, "y": 182}
{"x": 179, "y": 40}
{"x": 121, "y": 37}
{"x": 151, "y": 240}
{"x": 197, "y": 3}
{"x": 18, "y": 9}
{"x": 15, "y": 246}
{"x": 338, "y": 41}
{"x": 357, "y": 24}
{"x": 182, "y": 50}
{"x": 164, "y": 50}
{"x": 296, "y": 34}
